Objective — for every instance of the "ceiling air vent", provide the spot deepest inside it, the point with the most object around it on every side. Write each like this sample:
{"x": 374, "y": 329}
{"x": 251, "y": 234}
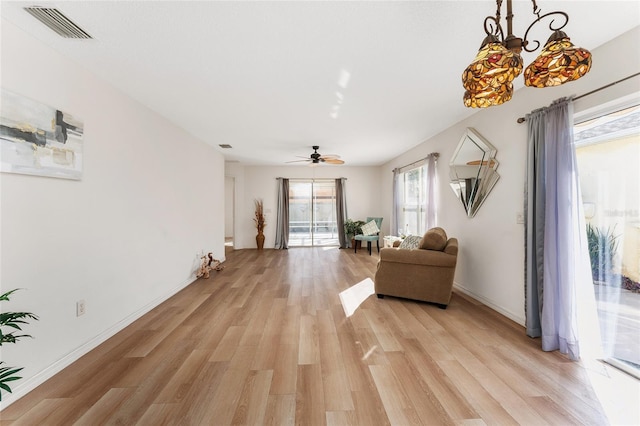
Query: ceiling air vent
{"x": 59, "y": 23}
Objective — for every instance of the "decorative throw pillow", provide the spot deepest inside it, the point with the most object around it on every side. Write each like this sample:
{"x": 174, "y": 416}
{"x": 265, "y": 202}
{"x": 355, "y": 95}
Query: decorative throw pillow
{"x": 370, "y": 228}
{"x": 410, "y": 242}
{"x": 434, "y": 239}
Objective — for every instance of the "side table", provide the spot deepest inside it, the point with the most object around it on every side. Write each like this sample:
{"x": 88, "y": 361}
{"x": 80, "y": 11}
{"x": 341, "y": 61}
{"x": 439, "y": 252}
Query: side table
{"x": 392, "y": 241}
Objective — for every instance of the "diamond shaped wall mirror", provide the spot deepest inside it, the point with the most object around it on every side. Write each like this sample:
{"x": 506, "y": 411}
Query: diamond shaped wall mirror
{"x": 472, "y": 171}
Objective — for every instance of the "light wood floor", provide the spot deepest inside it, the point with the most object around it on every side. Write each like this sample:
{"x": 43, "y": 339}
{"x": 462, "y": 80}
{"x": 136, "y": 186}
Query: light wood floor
{"x": 267, "y": 341}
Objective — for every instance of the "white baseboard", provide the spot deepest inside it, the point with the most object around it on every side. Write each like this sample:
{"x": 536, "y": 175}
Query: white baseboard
{"x": 512, "y": 316}
{"x": 33, "y": 382}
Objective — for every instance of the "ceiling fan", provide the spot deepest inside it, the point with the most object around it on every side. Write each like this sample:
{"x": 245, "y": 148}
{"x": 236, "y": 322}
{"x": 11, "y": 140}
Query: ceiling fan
{"x": 316, "y": 158}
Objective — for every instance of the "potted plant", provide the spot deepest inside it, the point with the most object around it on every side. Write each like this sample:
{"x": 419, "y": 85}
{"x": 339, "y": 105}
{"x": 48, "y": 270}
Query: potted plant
{"x": 352, "y": 228}
{"x": 259, "y": 219}
{"x": 12, "y": 320}
{"x": 603, "y": 247}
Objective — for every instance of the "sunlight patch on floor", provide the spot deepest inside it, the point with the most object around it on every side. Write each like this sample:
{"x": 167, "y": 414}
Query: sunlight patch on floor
{"x": 617, "y": 391}
{"x": 353, "y": 297}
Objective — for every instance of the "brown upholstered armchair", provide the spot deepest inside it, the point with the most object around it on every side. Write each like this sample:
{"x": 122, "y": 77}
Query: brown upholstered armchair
{"x": 424, "y": 273}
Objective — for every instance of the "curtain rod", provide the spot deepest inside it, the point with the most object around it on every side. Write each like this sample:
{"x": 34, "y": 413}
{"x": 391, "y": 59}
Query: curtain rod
{"x": 522, "y": 119}
{"x": 435, "y": 154}
{"x": 315, "y": 178}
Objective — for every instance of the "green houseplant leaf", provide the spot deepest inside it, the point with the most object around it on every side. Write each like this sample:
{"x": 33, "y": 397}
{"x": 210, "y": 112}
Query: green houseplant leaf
{"x": 14, "y": 321}
{"x": 603, "y": 247}
{"x": 353, "y": 227}
{"x": 7, "y": 374}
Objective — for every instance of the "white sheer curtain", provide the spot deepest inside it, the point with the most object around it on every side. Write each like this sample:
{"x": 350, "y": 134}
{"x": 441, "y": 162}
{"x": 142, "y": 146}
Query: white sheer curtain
{"x": 431, "y": 192}
{"x": 396, "y": 211}
{"x": 568, "y": 316}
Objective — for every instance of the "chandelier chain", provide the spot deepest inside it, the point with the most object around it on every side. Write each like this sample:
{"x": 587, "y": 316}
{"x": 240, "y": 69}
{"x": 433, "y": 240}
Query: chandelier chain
{"x": 536, "y": 9}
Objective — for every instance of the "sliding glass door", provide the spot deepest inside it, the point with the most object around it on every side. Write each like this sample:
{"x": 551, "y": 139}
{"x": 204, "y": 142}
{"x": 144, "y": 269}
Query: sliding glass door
{"x": 608, "y": 154}
{"x": 312, "y": 213}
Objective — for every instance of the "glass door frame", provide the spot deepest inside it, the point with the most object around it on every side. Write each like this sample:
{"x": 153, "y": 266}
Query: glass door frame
{"x": 313, "y": 215}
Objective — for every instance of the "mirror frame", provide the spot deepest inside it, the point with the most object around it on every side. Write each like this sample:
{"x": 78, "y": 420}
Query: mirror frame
{"x": 472, "y": 170}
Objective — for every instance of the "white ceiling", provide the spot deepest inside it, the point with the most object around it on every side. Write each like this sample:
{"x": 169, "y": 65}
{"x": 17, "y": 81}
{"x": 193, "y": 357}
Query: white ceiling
{"x": 265, "y": 77}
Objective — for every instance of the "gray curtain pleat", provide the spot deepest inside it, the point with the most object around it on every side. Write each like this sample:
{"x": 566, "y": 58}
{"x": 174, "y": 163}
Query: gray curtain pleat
{"x": 534, "y": 208}
{"x": 341, "y": 212}
{"x": 282, "y": 220}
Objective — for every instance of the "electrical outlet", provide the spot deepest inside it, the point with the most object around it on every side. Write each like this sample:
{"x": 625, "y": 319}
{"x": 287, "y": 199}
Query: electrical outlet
{"x": 80, "y": 308}
{"x": 520, "y": 218}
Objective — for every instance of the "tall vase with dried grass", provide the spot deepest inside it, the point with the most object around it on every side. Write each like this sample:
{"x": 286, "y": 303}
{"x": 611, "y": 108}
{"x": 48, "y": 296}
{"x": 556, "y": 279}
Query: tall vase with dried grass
{"x": 260, "y": 223}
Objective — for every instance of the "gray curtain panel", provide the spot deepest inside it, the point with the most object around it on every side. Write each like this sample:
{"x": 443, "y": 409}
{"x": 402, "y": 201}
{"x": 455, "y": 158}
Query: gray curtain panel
{"x": 534, "y": 207}
{"x": 282, "y": 220}
{"x": 341, "y": 212}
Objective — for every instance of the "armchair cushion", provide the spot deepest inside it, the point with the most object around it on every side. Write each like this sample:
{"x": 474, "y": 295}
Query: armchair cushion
{"x": 370, "y": 228}
{"x": 410, "y": 242}
{"x": 434, "y": 239}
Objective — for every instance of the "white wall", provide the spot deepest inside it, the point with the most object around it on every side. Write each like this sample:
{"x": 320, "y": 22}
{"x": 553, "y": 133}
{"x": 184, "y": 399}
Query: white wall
{"x": 363, "y": 194}
{"x": 123, "y": 238}
{"x": 491, "y": 258}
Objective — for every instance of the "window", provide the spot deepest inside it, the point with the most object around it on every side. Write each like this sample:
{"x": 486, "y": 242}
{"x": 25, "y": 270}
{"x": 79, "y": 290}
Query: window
{"x": 415, "y": 195}
{"x": 413, "y": 201}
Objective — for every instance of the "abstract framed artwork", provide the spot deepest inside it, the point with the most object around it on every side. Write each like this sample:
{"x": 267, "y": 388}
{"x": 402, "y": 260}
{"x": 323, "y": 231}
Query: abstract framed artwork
{"x": 36, "y": 139}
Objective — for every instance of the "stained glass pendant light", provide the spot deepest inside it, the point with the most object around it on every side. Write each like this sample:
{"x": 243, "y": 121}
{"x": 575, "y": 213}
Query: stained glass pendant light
{"x": 488, "y": 81}
{"x": 559, "y": 62}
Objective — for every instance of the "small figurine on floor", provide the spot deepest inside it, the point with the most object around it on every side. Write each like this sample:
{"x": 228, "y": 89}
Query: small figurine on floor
{"x": 217, "y": 266}
{"x": 206, "y": 266}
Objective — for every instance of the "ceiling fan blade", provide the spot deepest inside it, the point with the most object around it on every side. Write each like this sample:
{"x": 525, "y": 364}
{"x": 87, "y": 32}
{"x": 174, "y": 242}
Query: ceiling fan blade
{"x": 333, "y": 161}
{"x": 316, "y": 158}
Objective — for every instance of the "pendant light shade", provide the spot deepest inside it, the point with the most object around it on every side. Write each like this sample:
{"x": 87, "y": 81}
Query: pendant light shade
{"x": 489, "y": 97}
{"x": 488, "y": 80}
{"x": 494, "y": 65}
{"x": 559, "y": 62}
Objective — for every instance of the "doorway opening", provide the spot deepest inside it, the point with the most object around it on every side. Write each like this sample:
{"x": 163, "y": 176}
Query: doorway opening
{"x": 312, "y": 213}
{"x": 229, "y": 212}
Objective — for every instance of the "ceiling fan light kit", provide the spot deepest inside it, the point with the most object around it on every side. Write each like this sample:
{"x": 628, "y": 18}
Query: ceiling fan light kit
{"x": 316, "y": 158}
{"x": 488, "y": 81}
